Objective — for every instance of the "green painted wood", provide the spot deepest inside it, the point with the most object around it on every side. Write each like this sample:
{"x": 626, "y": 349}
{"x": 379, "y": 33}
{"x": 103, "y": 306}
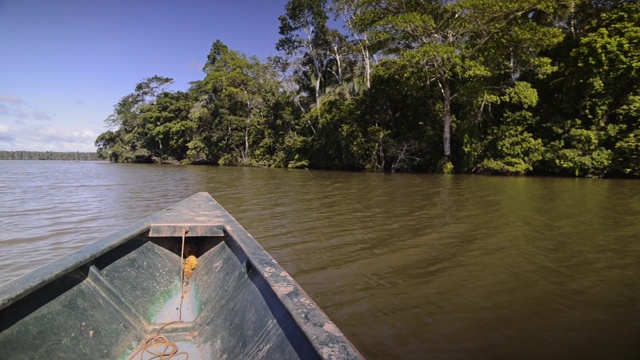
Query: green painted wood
{"x": 101, "y": 301}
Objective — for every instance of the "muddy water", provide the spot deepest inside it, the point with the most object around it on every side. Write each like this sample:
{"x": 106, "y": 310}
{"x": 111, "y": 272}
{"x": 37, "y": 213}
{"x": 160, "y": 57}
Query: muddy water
{"x": 408, "y": 266}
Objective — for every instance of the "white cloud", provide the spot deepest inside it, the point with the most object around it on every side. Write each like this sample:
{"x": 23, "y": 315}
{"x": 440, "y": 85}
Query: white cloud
{"x": 23, "y": 127}
{"x": 5, "y": 134}
{"x": 10, "y": 99}
{"x": 41, "y": 115}
{"x": 85, "y": 134}
{"x": 14, "y": 106}
{"x": 52, "y": 135}
{"x": 20, "y": 114}
{"x": 46, "y": 139}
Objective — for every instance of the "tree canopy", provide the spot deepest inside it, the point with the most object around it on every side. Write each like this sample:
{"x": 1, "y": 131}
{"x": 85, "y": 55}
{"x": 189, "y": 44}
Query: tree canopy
{"x": 472, "y": 86}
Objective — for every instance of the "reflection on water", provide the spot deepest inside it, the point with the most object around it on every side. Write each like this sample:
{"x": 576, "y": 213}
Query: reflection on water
{"x": 408, "y": 266}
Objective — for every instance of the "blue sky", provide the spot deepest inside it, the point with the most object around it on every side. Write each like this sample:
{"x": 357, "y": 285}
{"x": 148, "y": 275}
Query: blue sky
{"x": 65, "y": 63}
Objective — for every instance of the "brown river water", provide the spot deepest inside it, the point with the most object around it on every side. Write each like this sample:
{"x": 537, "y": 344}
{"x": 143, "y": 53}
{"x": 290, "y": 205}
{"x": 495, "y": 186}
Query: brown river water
{"x": 407, "y": 266}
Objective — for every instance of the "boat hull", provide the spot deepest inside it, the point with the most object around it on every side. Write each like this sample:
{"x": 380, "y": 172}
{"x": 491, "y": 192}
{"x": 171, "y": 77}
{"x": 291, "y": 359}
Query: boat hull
{"x": 108, "y": 298}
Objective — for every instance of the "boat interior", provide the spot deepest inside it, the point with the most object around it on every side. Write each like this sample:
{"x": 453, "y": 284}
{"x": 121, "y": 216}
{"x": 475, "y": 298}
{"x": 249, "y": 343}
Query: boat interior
{"x": 132, "y": 301}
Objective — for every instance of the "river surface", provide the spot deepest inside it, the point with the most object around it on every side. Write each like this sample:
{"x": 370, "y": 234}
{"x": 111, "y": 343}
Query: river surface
{"x": 407, "y": 266}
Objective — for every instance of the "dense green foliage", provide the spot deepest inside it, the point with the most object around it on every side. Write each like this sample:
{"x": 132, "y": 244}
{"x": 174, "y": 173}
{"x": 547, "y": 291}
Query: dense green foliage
{"x": 48, "y": 155}
{"x": 502, "y": 87}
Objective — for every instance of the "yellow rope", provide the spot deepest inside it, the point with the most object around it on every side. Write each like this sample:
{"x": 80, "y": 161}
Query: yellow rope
{"x": 158, "y": 346}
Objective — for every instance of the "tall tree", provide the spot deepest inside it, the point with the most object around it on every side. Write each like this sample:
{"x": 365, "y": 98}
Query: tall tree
{"x": 168, "y": 125}
{"x": 128, "y": 142}
{"x": 305, "y": 34}
{"x": 235, "y": 102}
{"x": 591, "y": 104}
{"x": 349, "y": 12}
{"x": 517, "y": 57}
{"x": 445, "y": 38}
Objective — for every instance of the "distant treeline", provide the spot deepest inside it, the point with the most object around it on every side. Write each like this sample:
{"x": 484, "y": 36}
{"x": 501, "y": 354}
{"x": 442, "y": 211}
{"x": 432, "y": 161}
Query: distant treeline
{"x": 507, "y": 87}
{"x": 48, "y": 155}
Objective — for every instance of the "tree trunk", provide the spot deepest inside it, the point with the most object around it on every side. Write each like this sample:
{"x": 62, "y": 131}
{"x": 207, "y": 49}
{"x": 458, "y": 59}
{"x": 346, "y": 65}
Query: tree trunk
{"x": 446, "y": 117}
{"x": 336, "y": 55}
{"x": 348, "y": 15}
{"x": 317, "y": 88}
{"x": 246, "y": 144}
{"x": 367, "y": 70}
{"x": 367, "y": 61}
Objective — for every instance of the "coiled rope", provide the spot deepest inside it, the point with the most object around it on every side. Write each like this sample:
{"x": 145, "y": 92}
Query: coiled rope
{"x": 158, "y": 346}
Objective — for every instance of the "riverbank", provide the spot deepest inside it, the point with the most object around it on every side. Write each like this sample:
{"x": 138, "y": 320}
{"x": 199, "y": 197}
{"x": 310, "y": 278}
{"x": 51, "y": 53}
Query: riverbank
{"x": 48, "y": 155}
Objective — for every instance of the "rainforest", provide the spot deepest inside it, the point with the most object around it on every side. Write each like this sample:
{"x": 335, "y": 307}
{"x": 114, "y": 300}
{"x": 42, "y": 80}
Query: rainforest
{"x": 514, "y": 87}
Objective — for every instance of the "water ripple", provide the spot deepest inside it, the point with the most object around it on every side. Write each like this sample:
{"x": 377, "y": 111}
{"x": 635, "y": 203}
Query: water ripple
{"x": 408, "y": 266}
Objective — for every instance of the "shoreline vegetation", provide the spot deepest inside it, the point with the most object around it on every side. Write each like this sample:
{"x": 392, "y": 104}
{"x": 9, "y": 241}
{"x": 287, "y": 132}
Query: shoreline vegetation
{"x": 49, "y": 155}
{"x": 514, "y": 87}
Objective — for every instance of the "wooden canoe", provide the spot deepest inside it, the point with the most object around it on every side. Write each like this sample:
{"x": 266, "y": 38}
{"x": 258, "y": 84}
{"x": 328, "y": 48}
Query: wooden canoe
{"x": 109, "y": 299}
